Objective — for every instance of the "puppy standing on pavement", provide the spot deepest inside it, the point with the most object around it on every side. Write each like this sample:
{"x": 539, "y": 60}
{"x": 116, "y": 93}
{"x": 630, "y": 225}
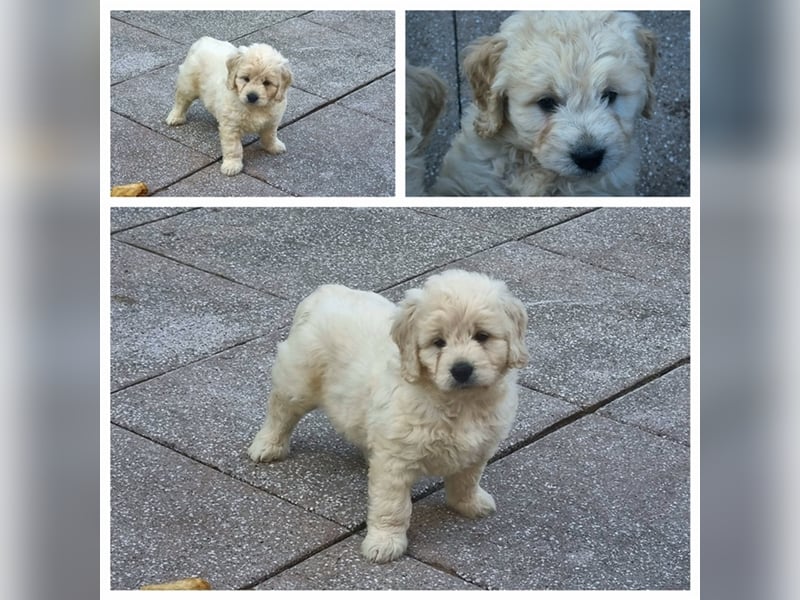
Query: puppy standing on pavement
{"x": 244, "y": 88}
{"x": 424, "y": 388}
{"x": 557, "y": 95}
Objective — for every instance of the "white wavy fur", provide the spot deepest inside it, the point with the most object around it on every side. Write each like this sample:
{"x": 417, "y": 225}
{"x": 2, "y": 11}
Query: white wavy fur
{"x": 244, "y": 88}
{"x": 557, "y": 95}
{"x": 427, "y": 387}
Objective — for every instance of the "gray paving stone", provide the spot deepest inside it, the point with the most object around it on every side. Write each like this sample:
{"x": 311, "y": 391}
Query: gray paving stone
{"x": 649, "y": 245}
{"x": 173, "y": 518}
{"x": 139, "y": 154}
{"x": 288, "y": 252}
{"x": 124, "y": 218}
{"x": 188, "y": 26}
{"x": 595, "y": 505}
{"x": 211, "y": 182}
{"x": 135, "y": 51}
{"x": 373, "y": 26}
{"x": 591, "y": 332}
{"x": 341, "y": 567}
{"x": 165, "y": 314}
{"x": 326, "y": 62}
{"x": 661, "y": 407}
{"x": 511, "y": 221}
{"x": 375, "y": 99}
{"x": 212, "y": 409}
{"x": 332, "y": 152}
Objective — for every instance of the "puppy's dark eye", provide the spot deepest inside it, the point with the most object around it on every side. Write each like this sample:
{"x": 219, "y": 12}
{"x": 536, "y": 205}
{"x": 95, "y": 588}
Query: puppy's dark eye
{"x": 439, "y": 343}
{"x": 548, "y": 104}
{"x": 246, "y": 79}
{"x": 267, "y": 83}
{"x": 480, "y": 337}
{"x": 610, "y": 96}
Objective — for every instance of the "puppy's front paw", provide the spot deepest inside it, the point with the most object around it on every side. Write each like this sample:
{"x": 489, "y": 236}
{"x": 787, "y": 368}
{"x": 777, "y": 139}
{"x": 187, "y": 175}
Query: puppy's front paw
{"x": 382, "y": 546}
{"x": 231, "y": 167}
{"x": 262, "y": 450}
{"x": 275, "y": 147}
{"x": 480, "y": 504}
{"x": 175, "y": 118}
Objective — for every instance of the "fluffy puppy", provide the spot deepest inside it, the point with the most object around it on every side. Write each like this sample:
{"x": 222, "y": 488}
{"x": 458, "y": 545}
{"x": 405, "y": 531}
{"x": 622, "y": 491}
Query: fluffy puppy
{"x": 557, "y": 95}
{"x": 424, "y": 388}
{"x": 244, "y": 88}
{"x": 425, "y": 98}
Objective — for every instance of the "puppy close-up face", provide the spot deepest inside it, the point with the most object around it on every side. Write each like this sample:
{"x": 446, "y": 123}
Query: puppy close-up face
{"x": 569, "y": 86}
{"x": 259, "y": 75}
{"x": 461, "y": 331}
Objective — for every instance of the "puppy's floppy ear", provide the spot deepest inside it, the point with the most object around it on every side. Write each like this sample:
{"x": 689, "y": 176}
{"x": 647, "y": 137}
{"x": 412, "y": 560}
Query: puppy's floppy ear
{"x": 284, "y": 83}
{"x": 233, "y": 64}
{"x": 480, "y": 66}
{"x": 515, "y": 311}
{"x": 649, "y": 43}
{"x": 403, "y": 329}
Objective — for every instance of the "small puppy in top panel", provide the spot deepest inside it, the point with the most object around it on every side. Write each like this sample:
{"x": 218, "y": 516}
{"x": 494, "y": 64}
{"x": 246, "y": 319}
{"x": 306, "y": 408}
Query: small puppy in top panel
{"x": 426, "y": 387}
{"x": 244, "y": 88}
{"x": 557, "y": 95}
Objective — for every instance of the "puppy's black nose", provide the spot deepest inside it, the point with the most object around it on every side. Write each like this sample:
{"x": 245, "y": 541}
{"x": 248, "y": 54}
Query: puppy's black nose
{"x": 588, "y": 158}
{"x": 252, "y": 97}
{"x": 461, "y": 371}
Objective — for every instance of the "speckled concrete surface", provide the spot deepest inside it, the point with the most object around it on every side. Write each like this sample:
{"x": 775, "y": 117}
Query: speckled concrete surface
{"x": 437, "y": 39}
{"x": 591, "y": 484}
{"x": 343, "y": 64}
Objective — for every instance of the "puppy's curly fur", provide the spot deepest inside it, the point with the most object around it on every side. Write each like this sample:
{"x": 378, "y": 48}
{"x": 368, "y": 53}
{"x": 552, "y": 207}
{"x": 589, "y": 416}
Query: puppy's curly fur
{"x": 244, "y": 88}
{"x": 425, "y": 99}
{"x": 557, "y": 95}
{"x": 424, "y": 388}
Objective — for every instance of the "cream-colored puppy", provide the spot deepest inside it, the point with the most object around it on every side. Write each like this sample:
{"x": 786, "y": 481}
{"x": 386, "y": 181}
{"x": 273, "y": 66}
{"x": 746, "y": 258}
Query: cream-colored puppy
{"x": 425, "y": 98}
{"x": 424, "y": 388}
{"x": 244, "y": 88}
{"x": 557, "y": 95}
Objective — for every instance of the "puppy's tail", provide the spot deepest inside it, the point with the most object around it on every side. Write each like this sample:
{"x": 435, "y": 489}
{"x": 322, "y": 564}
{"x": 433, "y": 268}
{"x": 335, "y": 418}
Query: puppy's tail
{"x": 426, "y": 94}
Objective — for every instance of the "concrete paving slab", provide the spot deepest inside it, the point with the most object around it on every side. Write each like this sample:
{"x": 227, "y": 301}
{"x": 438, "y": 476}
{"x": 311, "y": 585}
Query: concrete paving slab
{"x": 189, "y": 26}
{"x": 513, "y": 222}
{"x": 649, "y": 245}
{"x": 211, "y": 182}
{"x": 661, "y": 407}
{"x": 373, "y": 26}
{"x": 135, "y": 51}
{"x": 173, "y": 518}
{"x": 165, "y": 314}
{"x": 332, "y": 152}
{"x": 131, "y": 216}
{"x": 341, "y": 567}
{"x": 212, "y": 409}
{"x": 139, "y": 154}
{"x": 595, "y": 505}
{"x": 288, "y": 252}
{"x": 375, "y": 99}
{"x": 591, "y": 332}
{"x": 665, "y": 139}
{"x": 326, "y": 62}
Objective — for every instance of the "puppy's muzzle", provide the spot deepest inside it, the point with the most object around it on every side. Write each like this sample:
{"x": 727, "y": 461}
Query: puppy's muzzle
{"x": 252, "y": 97}
{"x": 462, "y": 372}
{"x": 588, "y": 158}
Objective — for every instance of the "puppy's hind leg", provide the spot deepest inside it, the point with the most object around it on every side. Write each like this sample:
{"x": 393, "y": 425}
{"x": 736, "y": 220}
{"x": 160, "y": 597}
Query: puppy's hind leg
{"x": 185, "y": 94}
{"x": 272, "y": 441}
